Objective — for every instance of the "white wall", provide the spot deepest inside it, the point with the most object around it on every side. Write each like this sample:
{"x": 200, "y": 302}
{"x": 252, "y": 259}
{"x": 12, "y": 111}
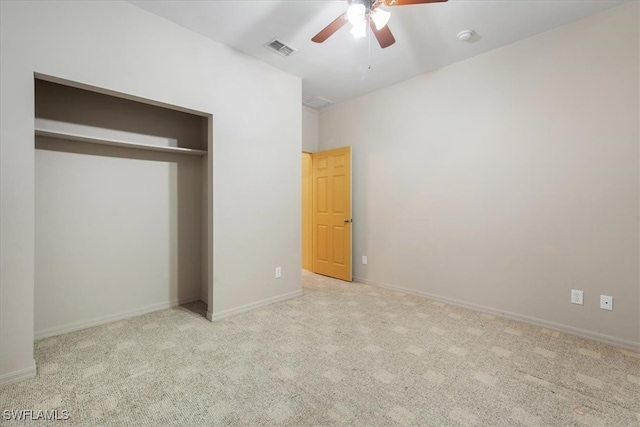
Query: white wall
{"x": 506, "y": 180}
{"x": 309, "y": 129}
{"x": 117, "y": 232}
{"x": 256, "y": 145}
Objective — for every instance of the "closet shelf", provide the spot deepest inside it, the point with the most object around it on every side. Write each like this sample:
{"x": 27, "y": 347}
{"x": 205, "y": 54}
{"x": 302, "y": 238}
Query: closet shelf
{"x": 116, "y": 143}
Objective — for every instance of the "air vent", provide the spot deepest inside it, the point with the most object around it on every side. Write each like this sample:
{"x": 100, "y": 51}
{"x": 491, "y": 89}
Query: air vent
{"x": 318, "y": 103}
{"x": 280, "y": 47}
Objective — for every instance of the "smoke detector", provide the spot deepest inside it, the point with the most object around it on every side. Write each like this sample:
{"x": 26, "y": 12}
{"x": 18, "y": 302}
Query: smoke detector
{"x": 465, "y": 36}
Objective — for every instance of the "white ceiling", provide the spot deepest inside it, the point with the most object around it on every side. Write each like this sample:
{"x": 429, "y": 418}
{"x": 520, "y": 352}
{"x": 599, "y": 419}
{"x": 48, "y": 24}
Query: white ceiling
{"x": 343, "y": 67}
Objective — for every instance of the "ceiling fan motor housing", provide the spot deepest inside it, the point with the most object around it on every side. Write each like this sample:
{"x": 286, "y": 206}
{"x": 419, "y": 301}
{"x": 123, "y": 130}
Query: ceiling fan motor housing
{"x": 369, "y": 5}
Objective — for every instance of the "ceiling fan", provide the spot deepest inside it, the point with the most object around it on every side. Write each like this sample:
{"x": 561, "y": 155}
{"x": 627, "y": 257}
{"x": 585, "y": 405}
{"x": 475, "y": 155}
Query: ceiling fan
{"x": 362, "y": 11}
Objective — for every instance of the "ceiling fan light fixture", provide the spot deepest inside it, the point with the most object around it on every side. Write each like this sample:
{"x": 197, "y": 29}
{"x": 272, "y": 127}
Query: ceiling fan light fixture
{"x": 359, "y": 30}
{"x": 380, "y": 18}
{"x": 355, "y": 13}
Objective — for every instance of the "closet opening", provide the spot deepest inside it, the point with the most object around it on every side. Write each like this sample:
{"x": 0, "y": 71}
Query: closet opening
{"x": 123, "y": 207}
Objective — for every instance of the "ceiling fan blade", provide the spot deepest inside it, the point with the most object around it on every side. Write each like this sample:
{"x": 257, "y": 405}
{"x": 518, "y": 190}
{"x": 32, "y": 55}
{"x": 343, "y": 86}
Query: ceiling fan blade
{"x": 384, "y": 36}
{"x": 410, "y": 2}
{"x": 328, "y": 31}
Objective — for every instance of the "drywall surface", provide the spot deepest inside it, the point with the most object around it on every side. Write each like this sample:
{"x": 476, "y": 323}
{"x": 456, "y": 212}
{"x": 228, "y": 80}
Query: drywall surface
{"x": 504, "y": 181}
{"x": 117, "y": 231}
{"x": 309, "y": 130}
{"x": 106, "y": 116}
{"x": 255, "y": 146}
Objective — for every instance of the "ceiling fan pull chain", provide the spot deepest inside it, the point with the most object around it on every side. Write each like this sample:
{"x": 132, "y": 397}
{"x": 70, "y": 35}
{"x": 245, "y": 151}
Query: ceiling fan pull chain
{"x": 369, "y": 43}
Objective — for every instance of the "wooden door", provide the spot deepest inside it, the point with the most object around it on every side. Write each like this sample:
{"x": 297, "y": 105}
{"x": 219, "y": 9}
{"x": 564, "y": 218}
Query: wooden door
{"x": 331, "y": 208}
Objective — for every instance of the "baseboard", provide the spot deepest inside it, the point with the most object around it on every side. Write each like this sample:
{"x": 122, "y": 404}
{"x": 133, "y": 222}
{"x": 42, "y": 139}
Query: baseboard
{"x": 582, "y": 333}
{"x": 112, "y": 318}
{"x": 19, "y": 375}
{"x": 253, "y": 305}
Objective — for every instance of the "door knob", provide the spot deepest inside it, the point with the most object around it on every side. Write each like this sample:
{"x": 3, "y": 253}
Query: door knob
{"x": 348, "y": 220}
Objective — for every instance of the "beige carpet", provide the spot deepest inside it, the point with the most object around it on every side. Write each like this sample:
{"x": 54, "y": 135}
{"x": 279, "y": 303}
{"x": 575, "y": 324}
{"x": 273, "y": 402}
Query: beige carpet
{"x": 343, "y": 354}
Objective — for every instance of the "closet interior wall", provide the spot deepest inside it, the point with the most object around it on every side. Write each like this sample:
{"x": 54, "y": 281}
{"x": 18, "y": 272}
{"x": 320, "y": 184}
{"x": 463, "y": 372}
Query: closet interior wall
{"x": 118, "y": 231}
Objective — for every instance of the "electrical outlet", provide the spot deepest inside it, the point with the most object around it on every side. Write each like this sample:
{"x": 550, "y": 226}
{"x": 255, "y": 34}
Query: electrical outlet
{"x": 606, "y": 302}
{"x": 364, "y": 259}
{"x": 278, "y": 272}
{"x": 576, "y": 297}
